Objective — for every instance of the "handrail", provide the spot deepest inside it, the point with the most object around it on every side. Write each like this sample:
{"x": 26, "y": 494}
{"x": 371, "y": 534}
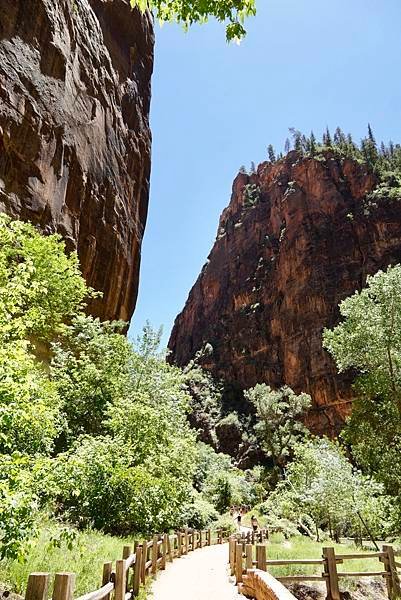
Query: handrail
{"x": 147, "y": 558}
{"x": 239, "y": 550}
{"x": 98, "y": 594}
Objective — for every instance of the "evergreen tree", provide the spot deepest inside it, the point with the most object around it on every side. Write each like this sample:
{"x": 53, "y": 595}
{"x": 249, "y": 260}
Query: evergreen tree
{"x": 370, "y": 135}
{"x": 271, "y": 154}
{"x": 287, "y": 146}
{"x": 327, "y": 138}
{"x": 312, "y": 144}
{"x": 339, "y": 137}
{"x": 253, "y": 168}
{"x": 297, "y": 138}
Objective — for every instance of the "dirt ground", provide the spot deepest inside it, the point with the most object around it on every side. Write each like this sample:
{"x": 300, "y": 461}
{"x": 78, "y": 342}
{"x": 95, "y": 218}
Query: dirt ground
{"x": 368, "y": 589}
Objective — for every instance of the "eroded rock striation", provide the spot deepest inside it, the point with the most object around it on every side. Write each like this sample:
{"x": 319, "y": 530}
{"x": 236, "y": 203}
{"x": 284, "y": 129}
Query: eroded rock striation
{"x": 298, "y": 236}
{"x": 74, "y": 132}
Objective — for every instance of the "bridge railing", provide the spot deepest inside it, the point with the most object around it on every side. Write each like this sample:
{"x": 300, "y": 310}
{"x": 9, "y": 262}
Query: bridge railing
{"x": 244, "y": 557}
{"x": 123, "y": 580}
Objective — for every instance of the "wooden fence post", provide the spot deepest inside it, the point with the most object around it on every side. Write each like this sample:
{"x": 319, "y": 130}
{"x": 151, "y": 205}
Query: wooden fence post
{"x": 201, "y": 539}
{"x": 232, "y": 544}
{"x": 238, "y": 563}
{"x": 249, "y": 556}
{"x": 155, "y": 552}
{"x": 261, "y": 557}
{"x": 220, "y": 536}
{"x": 330, "y": 567}
{"x": 64, "y": 586}
{"x": 186, "y": 541}
{"x": 120, "y": 584}
{"x": 138, "y": 568}
{"x": 393, "y": 582}
{"x": 144, "y": 561}
{"x": 127, "y": 551}
{"x": 106, "y": 575}
{"x": 38, "y": 586}
{"x": 179, "y": 544}
{"x": 209, "y": 537}
{"x": 164, "y": 551}
{"x": 169, "y": 551}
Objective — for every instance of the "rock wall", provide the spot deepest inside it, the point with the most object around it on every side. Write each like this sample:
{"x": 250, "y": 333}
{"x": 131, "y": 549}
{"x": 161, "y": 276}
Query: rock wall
{"x": 74, "y": 132}
{"x": 297, "y": 237}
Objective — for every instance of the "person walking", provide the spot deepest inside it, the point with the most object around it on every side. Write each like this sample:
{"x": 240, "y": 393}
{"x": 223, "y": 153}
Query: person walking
{"x": 254, "y": 523}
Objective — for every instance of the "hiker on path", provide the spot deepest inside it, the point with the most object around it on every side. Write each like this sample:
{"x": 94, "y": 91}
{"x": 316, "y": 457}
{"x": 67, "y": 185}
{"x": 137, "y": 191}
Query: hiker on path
{"x": 239, "y": 517}
{"x": 254, "y": 523}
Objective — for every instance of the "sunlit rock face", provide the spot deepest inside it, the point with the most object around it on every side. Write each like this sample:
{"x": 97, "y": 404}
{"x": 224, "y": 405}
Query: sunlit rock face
{"x": 74, "y": 132}
{"x": 297, "y": 237}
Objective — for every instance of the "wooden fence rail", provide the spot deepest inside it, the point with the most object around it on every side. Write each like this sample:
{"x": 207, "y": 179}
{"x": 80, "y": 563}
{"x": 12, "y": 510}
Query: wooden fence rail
{"x": 138, "y": 562}
{"x": 244, "y": 557}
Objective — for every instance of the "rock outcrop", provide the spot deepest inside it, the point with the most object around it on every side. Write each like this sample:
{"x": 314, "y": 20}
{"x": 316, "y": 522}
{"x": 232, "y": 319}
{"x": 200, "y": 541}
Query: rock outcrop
{"x": 74, "y": 132}
{"x": 298, "y": 236}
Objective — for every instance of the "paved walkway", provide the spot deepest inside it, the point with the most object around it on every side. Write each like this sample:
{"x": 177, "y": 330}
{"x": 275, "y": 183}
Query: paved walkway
{"x": 200, "y": 575}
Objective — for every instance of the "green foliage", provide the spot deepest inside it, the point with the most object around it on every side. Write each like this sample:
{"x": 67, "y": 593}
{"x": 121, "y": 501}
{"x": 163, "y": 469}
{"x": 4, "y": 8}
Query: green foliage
{"x": 18, "y": 505}
{"x": 251, "y": 195}
{"x": 100, "y": 485}
{"x": 100, "y": 434}
{"x": 199, "y": 513}
{"x": 278, "y": 427}
{"x": 205, "y": 402}
{"x": 368, "y": 341}
{"x": 40, "y": 289}
{"x": 29, "y": 405}
{"x": 271, "y": 153}
{"x": 383, "y": 161}
{"x": 40, "y": 286}
{"x": 52, "y": 552}
{"x": 226, "y": 523}
{"x": 321, "y": 483}
{"x": 368, "y": 338}
{"x": 188, "y": 12}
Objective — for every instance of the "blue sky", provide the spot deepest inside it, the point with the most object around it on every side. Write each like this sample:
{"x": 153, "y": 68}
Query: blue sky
{"x": 215, "y": 107}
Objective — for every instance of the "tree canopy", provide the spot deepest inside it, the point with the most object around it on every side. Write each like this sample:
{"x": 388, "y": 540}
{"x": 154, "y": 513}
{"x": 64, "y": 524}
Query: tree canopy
{"x": 187, "y": 12}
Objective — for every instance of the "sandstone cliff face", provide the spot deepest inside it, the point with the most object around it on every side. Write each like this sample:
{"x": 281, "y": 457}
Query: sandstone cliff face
{"x": 297, "y": 238}
{"x": 74, "y": 132}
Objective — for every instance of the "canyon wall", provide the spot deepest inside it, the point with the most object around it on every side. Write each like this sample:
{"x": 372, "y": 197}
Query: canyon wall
{"x": 298, "y": 236}
{"x": 74, "y": 133}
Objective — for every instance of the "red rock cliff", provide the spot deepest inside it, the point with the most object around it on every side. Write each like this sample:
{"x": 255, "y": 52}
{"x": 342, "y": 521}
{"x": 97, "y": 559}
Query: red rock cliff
{"x": 74, "y": 132}
{"x": 297, "y": 238}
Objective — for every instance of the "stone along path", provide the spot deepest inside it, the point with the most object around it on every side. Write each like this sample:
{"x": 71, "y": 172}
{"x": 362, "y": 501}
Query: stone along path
{"x": 200, "y": 575}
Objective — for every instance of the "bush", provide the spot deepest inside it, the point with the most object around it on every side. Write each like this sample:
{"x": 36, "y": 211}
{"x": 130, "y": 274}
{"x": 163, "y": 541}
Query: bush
{"x": 200, "y": 513}
{"x": 18, "y": 505}
{"x": 226, "y": 524}
{"x": 99, "y": 485}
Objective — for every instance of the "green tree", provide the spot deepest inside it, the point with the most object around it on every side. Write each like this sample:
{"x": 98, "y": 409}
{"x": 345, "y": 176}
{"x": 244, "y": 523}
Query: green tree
{"x": 271, "y": 154}
{"x": 321, "y": 483}
{"x": 188, "y": 12}
{"x": 368, "y": 341}
{"x": 40, "y": 286}
{"x": 278, "y": 414}
{"x": 368, "y": 337}
{"x": 312, "y": 144}
{"x": 90, "y": 368}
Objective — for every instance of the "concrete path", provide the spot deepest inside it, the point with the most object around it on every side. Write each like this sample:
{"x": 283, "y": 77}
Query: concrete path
{"x": 200, "y": 575}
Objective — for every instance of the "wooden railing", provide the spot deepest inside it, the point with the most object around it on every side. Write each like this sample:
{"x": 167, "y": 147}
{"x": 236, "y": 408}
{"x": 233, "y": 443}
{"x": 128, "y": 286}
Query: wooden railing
{"x": 244, "y": 557}
{"x": 139, "y": 562}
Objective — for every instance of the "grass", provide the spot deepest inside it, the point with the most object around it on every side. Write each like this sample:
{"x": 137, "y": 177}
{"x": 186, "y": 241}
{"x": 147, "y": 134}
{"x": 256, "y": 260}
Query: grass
{"x": 84, "y": 556}
{"x": 299, "y": 547}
